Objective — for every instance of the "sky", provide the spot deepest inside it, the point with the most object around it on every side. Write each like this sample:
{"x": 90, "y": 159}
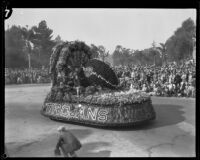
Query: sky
{"x": 130, "y": 28}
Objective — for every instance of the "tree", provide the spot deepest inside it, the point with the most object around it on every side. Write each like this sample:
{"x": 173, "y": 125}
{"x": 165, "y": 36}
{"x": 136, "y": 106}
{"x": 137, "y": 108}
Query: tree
{"x": 43, "y": 42}
{"x": 117, "y": 55}
{"x": 102, "y": 52}
{"x": 34, "y": 43}
{"x": 138, "y": 55}
{"x": 127, "y": 55}
{"x": 162, "y": 49}
{"x": 28, "y": 36}
{"x": 194, "y": 47}
{"x": 153, "y": 51}
{"x": 122, "y": 56}
{"x": 14, "y": 44}
{"x": 58, "y": 39}
{"x": 180, "y": 44}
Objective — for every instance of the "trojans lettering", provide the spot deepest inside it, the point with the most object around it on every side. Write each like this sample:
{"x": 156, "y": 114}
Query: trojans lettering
{"x": 81, "y": 112}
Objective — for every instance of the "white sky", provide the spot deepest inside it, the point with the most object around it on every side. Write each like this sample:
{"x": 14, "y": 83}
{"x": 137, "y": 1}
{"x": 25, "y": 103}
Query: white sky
{"x": 131, "y": 28}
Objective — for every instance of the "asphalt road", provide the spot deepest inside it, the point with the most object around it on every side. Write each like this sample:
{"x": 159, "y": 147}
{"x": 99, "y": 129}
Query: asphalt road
{"x": 29, "y": 134}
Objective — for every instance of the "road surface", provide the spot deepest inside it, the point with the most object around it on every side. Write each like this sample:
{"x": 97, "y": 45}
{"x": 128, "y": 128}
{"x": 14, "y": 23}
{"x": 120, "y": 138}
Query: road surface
{"x": 29, "y": 134}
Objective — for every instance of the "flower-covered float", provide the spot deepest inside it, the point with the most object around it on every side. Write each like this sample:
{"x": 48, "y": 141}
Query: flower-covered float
{"x": 87, "y": 91}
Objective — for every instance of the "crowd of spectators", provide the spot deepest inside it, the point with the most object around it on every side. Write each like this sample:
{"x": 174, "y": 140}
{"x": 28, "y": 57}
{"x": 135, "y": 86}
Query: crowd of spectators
{"x": 27, "y": 76}
{"x": 168, "y": 80}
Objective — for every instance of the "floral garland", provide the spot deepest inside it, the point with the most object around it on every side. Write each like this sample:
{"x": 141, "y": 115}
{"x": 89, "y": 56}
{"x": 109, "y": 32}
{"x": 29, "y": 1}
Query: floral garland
{"x": 55, "y": 56}
{"x": 103, "y": 99}
{"x": 62, "y": 58}
{"x": 119, "y": 98}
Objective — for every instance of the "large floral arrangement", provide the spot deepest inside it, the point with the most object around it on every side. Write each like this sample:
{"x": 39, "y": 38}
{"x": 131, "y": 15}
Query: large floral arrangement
{"x": 66, "y": 62}
{"x": 71, "y": 66}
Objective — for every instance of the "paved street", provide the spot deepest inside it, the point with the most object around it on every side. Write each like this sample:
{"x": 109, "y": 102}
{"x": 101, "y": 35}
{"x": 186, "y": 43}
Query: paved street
{"x": 29, "y": 134}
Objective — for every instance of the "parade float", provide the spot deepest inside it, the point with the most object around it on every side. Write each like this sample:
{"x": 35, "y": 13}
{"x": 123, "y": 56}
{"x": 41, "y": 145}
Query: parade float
{"x": 87, "y": 91}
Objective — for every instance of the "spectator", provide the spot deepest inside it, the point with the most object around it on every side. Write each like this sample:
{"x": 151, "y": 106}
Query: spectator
{"x": 144, "y": 88}
{"x": 21, "y": 76}
{"x": 19, "y": 80}
{"x": 181, "y": 79}
{"x": 169, "y": 80}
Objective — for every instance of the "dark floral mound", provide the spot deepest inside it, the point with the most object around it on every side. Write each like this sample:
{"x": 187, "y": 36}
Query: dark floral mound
{"x": 100, "y": 73}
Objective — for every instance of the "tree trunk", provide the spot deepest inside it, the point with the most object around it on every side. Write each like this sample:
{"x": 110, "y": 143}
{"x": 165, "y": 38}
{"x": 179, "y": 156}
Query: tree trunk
{"x": 29, "y": 61}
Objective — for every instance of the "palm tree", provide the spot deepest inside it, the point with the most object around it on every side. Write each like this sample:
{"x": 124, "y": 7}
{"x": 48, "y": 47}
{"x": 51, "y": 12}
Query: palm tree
{"x": 153, "y": 51}
{"x": 162, "y": 49}
{"x": 28, "y": 35}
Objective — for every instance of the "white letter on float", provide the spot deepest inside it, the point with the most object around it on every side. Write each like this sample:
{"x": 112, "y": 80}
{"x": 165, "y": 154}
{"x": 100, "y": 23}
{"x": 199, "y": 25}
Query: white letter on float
{"x": 81, "y": 112}
{"x": 48, "y": 108}
{"x": 59, "y": 109}
{"x": 102, "y": 115}
{"x": 72, "y": 111}
{"x": 53, "y": 109}
{"x": 65, "y": 111}
{"x": 56, "y": 109}
{"x": 92, "y": 114}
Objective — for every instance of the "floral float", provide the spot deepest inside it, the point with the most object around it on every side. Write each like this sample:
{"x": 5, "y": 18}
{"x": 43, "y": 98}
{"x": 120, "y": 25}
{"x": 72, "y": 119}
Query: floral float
{"x": 87, "y": 91}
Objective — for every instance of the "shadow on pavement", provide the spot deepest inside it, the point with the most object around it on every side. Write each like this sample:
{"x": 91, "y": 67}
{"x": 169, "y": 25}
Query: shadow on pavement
{"x": 167, "y": 115}
{"x": 88, "y": 150}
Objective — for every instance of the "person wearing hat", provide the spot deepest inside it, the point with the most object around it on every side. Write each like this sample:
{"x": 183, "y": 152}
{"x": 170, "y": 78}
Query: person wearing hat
{"x": 67, "y": 142}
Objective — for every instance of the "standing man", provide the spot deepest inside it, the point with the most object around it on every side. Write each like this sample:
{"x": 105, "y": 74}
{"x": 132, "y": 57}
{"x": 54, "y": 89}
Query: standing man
{"x": 67, "y": 142}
